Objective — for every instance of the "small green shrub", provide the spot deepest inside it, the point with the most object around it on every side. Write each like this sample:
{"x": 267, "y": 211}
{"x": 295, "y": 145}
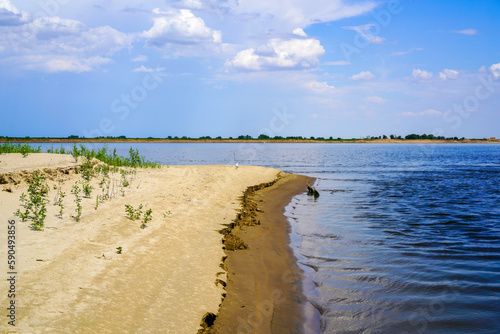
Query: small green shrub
{"x": 87, "y": 188}
{"x": 60, "y": 203}
{"x": 98, "y": 200}
{"x": 87, "y": 168}
{"x": 35, "y": 203}
{"x": 124, "y": 181}
{"x": 75, "y": 152}
{"x": 147, "y": 218}
{"x": 78, "y": 201}
{"x": 132, "y": 213}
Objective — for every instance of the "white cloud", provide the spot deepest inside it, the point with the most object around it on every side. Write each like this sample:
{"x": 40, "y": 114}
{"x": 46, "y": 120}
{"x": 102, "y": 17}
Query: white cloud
{"x": 428, "y": 112}
{"x": 467, "y": 32}
{"x": 365, "y": 32}
{"x": 280, "y": 54}
{"x": 448, "y": 74}
{"x": 11, "y": 16}
{"x": 495, "y": 70}
{"x": 337, "y": 63}
{"x": 145, "y": 69}
{"x": 179, "y": 27}
{"x": 140, "y": 58}
{"x": 54, "y": 44}
{"x": 54, "y": 64}
{"x": 319, "y": 87}
{"x": 189, "y": 4}
{"x": 421, "y": 74}
{"x": 375, "y": 99}
{"x": 402, "y": 53}
{"x": 299, "y": 32}
{"x": 285, "y": 15}
{"x": 365, "y": 75}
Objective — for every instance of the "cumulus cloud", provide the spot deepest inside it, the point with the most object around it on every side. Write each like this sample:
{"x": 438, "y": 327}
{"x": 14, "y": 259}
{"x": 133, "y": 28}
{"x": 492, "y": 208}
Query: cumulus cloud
{"x": 365, "y": 75}
{"x": 428, "y": 112}
{"x": 366, "y": 33}
{"x": 467, "y": 32}
{"x": 11, "y": 16}
{"x": 495, "y": 70}
{"x": 421, "y": 74}
{"x": 299, "y": 32}
{"x": 448, "y": 74}
{"x": 279, "y": 54}
{"x": 179, "y": 27}
{"x": 54, "y": 44}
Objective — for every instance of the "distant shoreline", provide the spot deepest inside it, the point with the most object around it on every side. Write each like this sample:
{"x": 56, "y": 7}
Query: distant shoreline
{"x": 243, "y": 141}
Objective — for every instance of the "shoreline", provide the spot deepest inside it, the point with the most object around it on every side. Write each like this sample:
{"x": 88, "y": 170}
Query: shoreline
{"x": 168, "y": 275}
{"x": 264, "y": 287}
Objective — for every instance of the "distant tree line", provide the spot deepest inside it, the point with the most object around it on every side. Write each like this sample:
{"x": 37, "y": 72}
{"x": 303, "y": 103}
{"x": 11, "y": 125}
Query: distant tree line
{"x": 412, "y": 136}
{"x": 431, "y": 137}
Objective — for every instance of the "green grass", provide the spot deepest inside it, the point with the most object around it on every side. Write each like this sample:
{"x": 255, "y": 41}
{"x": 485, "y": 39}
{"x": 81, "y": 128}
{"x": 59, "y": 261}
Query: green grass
{"x": 111, "y": 158}
{"x": 24, "y": 149}
{"x": 133, "y": 160}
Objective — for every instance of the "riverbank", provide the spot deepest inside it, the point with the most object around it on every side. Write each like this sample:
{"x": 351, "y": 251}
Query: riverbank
{"x": 104, "y": 273}
{"x": 264, "y": 290}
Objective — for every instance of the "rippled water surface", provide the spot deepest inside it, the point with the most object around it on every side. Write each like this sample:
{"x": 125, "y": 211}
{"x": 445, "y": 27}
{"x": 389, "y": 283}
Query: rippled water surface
{"x": 403, "y": 239}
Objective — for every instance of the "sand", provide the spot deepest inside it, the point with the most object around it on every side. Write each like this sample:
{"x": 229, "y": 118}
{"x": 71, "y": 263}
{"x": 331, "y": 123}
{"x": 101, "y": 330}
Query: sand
{"x": 70, "y": 278}
{"x": 264, "y": 290}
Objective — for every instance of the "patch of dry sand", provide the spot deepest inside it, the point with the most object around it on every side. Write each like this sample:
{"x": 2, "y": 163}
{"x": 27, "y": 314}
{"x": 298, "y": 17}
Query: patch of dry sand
{"x": 70, "y": 278}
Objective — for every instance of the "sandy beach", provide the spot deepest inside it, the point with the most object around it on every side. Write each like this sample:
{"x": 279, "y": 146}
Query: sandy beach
{"x": 70, "y": 277}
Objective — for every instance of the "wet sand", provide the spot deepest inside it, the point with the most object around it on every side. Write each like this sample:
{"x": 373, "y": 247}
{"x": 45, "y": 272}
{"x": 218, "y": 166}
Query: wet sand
{"x": 264, "y": 293}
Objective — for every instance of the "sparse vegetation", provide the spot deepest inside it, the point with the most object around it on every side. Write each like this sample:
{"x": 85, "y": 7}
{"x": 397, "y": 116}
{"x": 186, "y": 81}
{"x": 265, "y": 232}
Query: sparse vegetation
{"x": 87, "y": 188}
{"x": 113, "y": 159}
{"x": 133, "y": 214}
{"x": 78, "y": 201}
{"x": 87, "y": 168}
{"x": 22, "y": 148}
{"x": 124, "y": 180}
{"x": 98, "y": 200}
{"x": 35, "y": 203}
{"x": 147, "y": 218}
{"x": 60, "y": 203}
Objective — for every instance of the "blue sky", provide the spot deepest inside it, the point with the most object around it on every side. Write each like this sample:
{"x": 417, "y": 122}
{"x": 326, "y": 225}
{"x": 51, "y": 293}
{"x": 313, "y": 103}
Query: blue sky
{"x": 195, "y": 68}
